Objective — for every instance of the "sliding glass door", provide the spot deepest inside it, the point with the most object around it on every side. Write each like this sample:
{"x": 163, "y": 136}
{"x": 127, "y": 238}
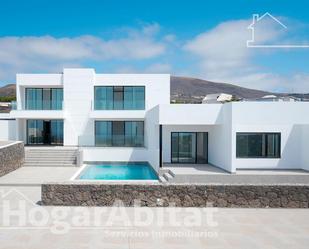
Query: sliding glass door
{"x": 119, "y": 133}
{"x": 44, "y": 132}
{"x": 56, "y": 132}
{"x": 35, "y": 132}
{"x": 189, "y": 147}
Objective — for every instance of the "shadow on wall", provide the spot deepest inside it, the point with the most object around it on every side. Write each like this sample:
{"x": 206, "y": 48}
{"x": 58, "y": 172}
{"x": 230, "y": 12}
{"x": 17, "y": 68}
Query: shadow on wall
{"x": 291, "y": 148}
{"x": 220, "y": 140}
{"x": 12, "y": 130}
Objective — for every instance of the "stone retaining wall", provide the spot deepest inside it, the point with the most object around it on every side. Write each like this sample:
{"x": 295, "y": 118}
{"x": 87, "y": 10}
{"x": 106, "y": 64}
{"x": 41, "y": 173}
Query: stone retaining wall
{"x": 253, "y": 196}
{"x": 11, "y": 157}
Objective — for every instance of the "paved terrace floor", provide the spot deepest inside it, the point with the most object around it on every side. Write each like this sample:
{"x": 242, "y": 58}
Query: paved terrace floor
{"x": 3, "y": 143}
{"x": 192, "y": 173}
{"x": 35, "y": 176}
{"x": 230, "y": 228}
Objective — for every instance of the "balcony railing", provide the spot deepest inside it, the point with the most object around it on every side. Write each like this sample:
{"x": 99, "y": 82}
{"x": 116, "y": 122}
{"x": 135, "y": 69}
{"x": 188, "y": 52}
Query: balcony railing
{"x": 111, "y": 141}
{"x": 13, "y": 105}
{"x": 98, "y": 105}
{"x": 38, "y": 106}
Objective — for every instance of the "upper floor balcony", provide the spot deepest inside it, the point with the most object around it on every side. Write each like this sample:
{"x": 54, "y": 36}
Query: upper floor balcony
{"x": 37, "y": 109}
{"x": 119, "y": 102}
{"x": 39, "y": 103}
{"x": 119, "y": 98}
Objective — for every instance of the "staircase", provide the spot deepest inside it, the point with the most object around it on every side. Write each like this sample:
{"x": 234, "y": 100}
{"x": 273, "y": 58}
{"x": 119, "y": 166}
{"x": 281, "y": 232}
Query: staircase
{"x": 50, "y": 157}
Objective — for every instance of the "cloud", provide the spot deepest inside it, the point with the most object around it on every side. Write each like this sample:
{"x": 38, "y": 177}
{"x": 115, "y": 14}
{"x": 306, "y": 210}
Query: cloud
{"x": 219, "y": 54}
{"x": 222, "y": 55}
{"x": 20, "y": 54}
{"x": 152, "y": 68}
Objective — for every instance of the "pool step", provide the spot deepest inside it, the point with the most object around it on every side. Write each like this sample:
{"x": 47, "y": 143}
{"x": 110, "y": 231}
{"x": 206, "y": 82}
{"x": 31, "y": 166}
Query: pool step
{"x": 162, "y": 179}
{"x": 166, "y": 176}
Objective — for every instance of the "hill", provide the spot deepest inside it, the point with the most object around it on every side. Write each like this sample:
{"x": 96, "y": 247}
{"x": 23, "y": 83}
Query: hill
{"x": 192, "y": 90}
{"x": 8, "y": 90}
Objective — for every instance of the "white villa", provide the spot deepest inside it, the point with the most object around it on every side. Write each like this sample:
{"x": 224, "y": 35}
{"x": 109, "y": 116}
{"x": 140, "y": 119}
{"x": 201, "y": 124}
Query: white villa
{"x": 128, "y": 117}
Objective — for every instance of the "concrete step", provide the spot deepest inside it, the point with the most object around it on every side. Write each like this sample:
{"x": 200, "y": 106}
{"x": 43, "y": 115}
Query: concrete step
{"x": 49, "y": 153}
{"x": 50, "y": 162}
{"x": 47, "y": 163}
{"x": 162, "y": 179}
{"x": 168, "y": 176}
{"x": 50, "y": 157}
{"x": 50, "y": 165}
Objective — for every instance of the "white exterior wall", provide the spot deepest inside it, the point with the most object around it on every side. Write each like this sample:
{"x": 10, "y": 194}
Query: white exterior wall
{"x": 77, "y": 94}
{"x": 224, "y": 121}
{"x": 80, "y": 118}
{"x": 7, "y": 128}
{"x": 288, "y": 118}
{"x": 304, "y": 147}
{"x": 214, "y": 119}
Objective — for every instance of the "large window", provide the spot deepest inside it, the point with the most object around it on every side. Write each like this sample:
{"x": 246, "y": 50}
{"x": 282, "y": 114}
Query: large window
{"x": 189, "y": 147}
{"x": 44, "y": 98}
{"x": 47, "y": 132}
{"x": 258, "y": 145}
{"x": 119, "y": 98}
{"x": 119, "y": 133}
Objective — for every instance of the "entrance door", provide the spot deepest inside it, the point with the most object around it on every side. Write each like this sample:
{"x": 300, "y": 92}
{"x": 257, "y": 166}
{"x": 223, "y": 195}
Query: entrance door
{"x": 46, "y": 132}
{"x": 189, "y": 147}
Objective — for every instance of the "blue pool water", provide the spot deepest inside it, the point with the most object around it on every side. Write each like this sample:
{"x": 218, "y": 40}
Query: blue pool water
{"x": 110, "y": 171}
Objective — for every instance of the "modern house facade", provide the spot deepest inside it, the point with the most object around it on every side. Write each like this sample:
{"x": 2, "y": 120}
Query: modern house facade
{"x": 128, "y": 117}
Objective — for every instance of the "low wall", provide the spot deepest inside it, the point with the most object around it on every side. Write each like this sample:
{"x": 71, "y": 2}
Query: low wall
{"x": 12, "y": 157}
{"x": 253, "y": 196}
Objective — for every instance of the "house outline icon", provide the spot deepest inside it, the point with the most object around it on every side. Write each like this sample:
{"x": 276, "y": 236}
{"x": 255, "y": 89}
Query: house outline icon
{"x": 6, "y": 194}
{"x": 257, "y": 18}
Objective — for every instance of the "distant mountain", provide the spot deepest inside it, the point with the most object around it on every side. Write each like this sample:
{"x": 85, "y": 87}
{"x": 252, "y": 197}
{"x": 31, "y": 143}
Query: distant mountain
{"x": 192, "y": 90}
{"x": 8, "y": 90}
{"x": 186, "y": 89}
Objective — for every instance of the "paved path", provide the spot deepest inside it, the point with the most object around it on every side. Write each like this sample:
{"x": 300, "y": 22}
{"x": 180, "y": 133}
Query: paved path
{"x": 229, "y": 228}
{"x": 37, "y": 175}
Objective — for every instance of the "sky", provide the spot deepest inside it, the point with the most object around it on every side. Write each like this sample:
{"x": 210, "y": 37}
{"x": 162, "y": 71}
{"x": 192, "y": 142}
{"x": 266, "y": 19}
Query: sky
{"x": 203, "y": 39}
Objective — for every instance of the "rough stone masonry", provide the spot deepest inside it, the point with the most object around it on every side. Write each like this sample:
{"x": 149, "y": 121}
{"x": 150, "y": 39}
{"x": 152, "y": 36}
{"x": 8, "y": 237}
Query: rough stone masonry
{"x": 11, "y": 157}
{"x": 180, "y": 195}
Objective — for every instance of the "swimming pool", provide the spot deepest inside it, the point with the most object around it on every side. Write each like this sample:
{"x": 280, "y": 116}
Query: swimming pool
{"x": 118, "y": 171}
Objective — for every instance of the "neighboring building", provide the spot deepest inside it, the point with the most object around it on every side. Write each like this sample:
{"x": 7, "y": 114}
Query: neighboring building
{"x": 217, "y": 98}
{"x": 128, "y": 117}
{"x": 274, "y": 98}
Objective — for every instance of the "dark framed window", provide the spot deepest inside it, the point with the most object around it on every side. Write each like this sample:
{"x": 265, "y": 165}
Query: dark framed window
{"x": 119, "y": 98}
{"x": 189, "y": 147}
{"x": 44, "y": 132}
{"x": 44, "y": 98}
{"x": 258, "y": 145}
{"x": 119, "y": 133}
